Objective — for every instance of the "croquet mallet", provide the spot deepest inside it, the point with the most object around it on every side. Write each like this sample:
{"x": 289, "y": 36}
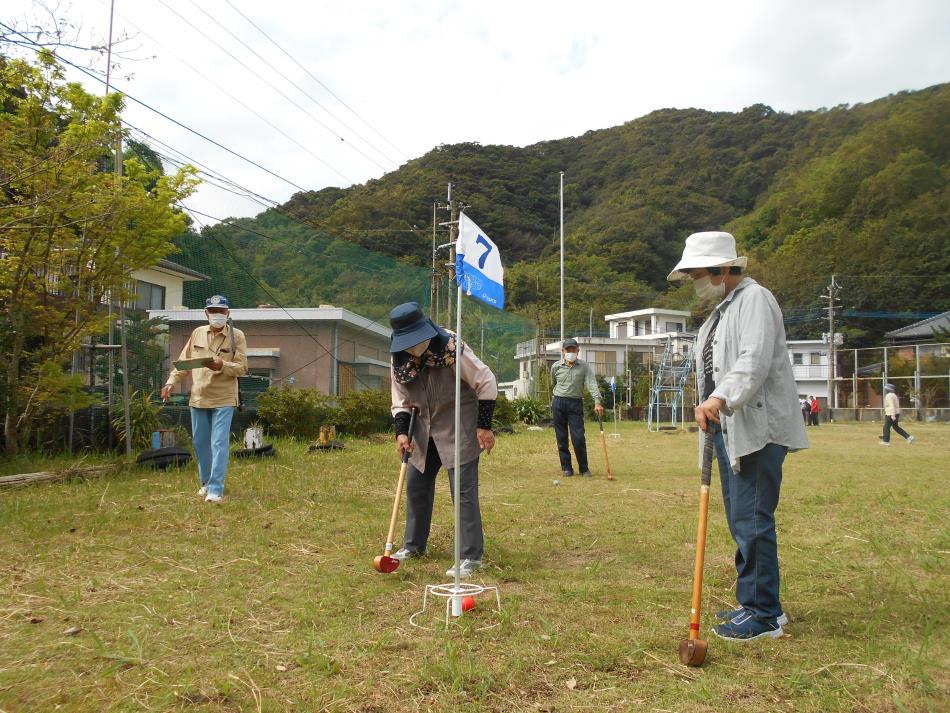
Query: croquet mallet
{"x": 385, "y": 563}
{"x": 603, "y": 442}
{"x": 692, "y": 651}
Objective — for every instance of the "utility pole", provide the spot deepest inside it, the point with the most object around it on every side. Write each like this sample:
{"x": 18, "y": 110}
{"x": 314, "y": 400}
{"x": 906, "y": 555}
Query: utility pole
{"x": 433, "y": 291}
{"x": 124, "y": 353}
{"x": 481, "y": 349}
{"x": 831, "y": 295}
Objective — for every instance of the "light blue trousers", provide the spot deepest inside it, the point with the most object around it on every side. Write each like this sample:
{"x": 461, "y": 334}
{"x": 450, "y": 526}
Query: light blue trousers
{"x": 211, "y": 437}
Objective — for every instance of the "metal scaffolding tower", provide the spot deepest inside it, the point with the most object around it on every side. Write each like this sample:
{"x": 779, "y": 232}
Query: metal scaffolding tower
{"x": 669, "y": 381}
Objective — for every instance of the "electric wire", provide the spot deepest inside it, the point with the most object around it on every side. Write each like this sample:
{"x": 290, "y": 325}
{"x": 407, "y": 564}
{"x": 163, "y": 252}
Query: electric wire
{"x": 275, "y": 89}
{"x": 277, "y": 302}
{"x": 238, "y": 101}
{"x": 293, "y": 83}
{"x": 314, "y": 78}
{"x": 59, "y": 58}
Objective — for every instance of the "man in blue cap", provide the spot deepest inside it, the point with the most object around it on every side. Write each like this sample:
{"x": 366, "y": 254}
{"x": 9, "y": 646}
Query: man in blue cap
{"x": 424, "y": 360}
{"x": 214, "y": 392}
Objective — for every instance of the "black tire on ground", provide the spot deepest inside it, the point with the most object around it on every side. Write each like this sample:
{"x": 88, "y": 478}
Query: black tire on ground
{"x": 260, "y": 452}
{"x": 164, "y": 458}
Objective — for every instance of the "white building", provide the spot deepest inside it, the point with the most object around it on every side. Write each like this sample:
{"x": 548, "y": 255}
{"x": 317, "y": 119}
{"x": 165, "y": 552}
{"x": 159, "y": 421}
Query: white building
{"x": 634, "y": 337}
{"x": 809, "y": 359}
{"x": 162, "y": 285}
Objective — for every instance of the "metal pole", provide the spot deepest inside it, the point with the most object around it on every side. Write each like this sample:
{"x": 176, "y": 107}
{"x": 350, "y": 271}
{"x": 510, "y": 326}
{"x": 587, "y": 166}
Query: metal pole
{"x": 884, "y": 383}
{"x": 562, "y": 257}
{"x": 456, "y": 486}
{"x": 433, "y": 313}
{"x": 917, "y": 381}
{"x": 118, "y": 175}
{"x": 854, "y": 382}
{"x": 451, "y": 264}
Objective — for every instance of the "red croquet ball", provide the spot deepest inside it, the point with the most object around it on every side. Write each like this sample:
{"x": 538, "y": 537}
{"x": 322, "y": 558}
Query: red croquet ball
{"x": 468, "y": 603}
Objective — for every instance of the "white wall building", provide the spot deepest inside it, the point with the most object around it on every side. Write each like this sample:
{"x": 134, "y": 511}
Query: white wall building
{"x": 636, "y": 336}
{"x": 809, "y": 358}
{"x": 162, "y": 285}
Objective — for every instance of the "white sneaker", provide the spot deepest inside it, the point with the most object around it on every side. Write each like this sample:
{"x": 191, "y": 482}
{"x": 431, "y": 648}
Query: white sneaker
{"x": 466, "y": 569}
{"x": 910, "y": 439}
{"x": 202, "y": 491}
{"x": 885, "y": 443}
{"x": 216, "y": 499}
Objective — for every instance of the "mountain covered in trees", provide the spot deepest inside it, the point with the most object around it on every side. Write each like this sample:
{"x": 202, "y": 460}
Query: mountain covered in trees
{"x": 859, "y": 191}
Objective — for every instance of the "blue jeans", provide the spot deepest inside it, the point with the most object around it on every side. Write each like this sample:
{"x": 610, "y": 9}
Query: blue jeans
{"x": 568, "y": 414}
{"x": 211, "y": 437}
{"x": 750, "y": 498}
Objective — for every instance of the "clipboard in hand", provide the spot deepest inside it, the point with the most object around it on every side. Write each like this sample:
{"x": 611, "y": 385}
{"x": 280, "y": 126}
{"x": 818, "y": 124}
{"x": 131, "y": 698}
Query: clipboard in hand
{"x": 188, "y": 364}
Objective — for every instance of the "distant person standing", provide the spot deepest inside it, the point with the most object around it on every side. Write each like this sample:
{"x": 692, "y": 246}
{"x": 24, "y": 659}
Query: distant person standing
{"x": 570, "y": 375}
{"x": 892, "y": 414}
{"x": 813, "y": 410}
{"x": 806, "y": 409}
{"x": 214, "y": 393}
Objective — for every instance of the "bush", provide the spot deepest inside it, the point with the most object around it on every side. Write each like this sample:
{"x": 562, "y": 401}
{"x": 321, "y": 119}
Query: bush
{"x": 365, "y": 412}
{"x": 505, "y": 414}
{"x": 297, "y": 413}
{"x": 143, "y": 419}
{"x": 529, "y": 410}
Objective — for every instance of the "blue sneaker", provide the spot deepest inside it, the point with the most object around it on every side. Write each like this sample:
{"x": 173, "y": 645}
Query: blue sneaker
{"x": 733, "y": 613}
{"x": 745, "y": 627}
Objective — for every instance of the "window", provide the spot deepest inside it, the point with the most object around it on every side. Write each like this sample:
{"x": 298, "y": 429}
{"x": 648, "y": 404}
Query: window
{"x": 797, "y": 359}
{"x": 815, "y": 359}
{"x": 622, "y": 330}
{"x": 150, "y": 296}
{"x": 674, "y": 326}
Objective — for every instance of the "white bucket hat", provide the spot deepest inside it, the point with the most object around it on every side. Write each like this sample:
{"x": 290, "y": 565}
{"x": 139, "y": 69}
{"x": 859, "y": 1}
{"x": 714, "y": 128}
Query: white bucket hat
{"x": 710, "y": 249}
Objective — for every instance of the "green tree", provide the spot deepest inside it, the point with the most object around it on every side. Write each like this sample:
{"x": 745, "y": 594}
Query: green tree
{"x": 71, "y": 233}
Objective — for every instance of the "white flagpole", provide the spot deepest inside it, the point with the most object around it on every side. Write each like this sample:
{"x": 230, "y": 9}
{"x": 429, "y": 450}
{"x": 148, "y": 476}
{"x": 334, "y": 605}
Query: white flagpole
{"x": 562, "y": 258}
{"x": 457, "y": 595}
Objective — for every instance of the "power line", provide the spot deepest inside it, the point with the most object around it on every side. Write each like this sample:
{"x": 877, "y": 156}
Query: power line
{"x": 311, "y": 75}
{"x": 272, "y": 87}
{"x": 38, "y": 48}
{"x": 270, "y": 294}
{"x": 292, "y": 83}
{"x": 239, "y": 102}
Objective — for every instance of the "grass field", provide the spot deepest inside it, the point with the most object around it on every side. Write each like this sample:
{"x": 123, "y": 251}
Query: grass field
{"x": 270, "y": 602}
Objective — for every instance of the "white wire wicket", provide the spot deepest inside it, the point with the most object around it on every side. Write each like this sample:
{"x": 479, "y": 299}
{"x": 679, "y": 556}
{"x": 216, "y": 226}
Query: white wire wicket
{"x": 453, "y": 594}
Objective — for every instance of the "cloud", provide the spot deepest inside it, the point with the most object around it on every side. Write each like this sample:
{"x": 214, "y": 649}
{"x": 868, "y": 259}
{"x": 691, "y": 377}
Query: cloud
{"x": 426, "y": 72}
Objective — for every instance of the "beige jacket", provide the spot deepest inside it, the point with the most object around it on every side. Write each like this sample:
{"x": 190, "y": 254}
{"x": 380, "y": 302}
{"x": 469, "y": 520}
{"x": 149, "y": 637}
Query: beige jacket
{"x": 212, "y": 389}
{"x": 892, "y": 405}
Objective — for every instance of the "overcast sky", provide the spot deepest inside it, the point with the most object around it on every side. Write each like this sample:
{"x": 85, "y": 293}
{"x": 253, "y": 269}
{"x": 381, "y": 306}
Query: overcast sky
{"x": 416, "y": 74}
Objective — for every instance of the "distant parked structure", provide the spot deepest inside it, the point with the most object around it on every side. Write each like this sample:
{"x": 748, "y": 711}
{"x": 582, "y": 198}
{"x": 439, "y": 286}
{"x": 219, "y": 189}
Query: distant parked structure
{"x": 327, "y": 348}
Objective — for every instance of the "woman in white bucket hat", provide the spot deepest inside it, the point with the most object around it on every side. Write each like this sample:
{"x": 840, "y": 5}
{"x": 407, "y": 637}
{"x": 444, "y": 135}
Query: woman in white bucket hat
{"x": 749, "y": 407}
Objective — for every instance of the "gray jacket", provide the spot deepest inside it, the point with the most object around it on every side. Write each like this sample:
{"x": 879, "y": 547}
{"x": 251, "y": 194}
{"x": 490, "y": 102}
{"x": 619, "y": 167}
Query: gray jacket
{"x": 752, "y": 374}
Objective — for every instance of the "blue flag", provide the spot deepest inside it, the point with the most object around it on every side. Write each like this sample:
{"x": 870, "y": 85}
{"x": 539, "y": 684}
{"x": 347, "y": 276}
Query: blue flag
{"x": 478, "y": 268}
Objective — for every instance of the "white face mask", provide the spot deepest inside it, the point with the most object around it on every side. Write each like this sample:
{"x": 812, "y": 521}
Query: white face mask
{"x": 570, "y": 357}
{"x": 217, "y": 320}
{"x": 419, "y": 349}
{"x": 707, "y": 291}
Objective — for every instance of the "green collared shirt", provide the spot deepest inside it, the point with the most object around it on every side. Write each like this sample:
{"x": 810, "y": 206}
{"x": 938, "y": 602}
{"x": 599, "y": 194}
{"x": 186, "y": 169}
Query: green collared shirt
{"x": 569, "y": 381}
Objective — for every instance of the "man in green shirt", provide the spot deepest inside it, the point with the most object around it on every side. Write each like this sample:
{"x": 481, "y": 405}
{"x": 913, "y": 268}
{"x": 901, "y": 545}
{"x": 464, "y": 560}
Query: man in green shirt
{"x": 569, "y": 377}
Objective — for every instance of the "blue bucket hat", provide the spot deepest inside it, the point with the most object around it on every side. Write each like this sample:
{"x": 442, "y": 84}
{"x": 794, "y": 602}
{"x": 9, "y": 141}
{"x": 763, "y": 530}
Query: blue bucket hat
{"x": 217, "y": 301}
{"x": 410, "y": 326}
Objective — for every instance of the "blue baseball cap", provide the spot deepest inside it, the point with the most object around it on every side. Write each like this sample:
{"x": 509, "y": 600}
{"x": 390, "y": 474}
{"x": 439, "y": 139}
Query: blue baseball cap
{"x": 217, "y": 301}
